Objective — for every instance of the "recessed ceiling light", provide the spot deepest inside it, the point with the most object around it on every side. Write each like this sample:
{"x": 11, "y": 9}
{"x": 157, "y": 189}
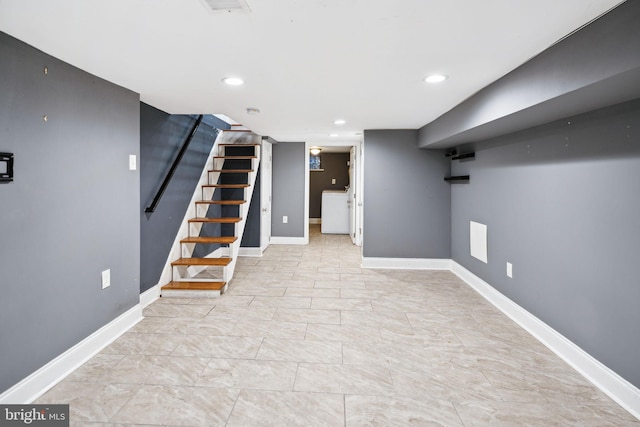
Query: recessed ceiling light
{"x": 339, "y": 122}
{"x": 233, "y": 81}
{"x": 436, "y": 78}
{"x": 333, "y": 135}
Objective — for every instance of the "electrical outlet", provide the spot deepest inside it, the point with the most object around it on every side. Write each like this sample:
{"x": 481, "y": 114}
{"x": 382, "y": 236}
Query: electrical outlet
{"x": 285, "y": 219}
{"x": 106, "y": 278}
{"x": 333, "y": 181}
{"x": 509, "y": 270}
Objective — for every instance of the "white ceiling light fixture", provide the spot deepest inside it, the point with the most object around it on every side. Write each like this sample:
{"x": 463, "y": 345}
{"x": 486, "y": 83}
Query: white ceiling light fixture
{"x": 233, "y": 81}
{"x": 339, "y": 122}
{"x": 315, "y": 150}
{"x": 333, "y": 135}
{"x": 226, "y": 6}
{"x": 436, "y": 78}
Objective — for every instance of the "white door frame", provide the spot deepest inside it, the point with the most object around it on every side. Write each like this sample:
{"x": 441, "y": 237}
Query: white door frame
{"x": 265, "y": 194}
{"x": 357, "y": 188}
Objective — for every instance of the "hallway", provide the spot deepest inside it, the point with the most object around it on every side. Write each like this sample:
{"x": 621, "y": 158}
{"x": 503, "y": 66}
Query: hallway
{"x": 305, "y": 337}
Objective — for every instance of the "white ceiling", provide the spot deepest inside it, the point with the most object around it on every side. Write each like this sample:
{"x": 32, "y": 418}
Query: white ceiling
{"x": 305, "y": 62}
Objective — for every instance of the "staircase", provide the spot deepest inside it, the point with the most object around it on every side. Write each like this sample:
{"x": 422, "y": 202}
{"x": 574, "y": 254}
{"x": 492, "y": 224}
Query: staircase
{"x": 209, "y": 251}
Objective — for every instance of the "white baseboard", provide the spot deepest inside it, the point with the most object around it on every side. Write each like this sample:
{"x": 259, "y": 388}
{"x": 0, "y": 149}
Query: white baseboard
{"x": 276, "y": 240}
{"x": 149, "y": 296}
{"x": 315, "y": 220}
{"x": 407, "y": 263}
{"x": 36, "y": 384}
{"x": 250, "y": 252}
{"x": 612, "y": 384}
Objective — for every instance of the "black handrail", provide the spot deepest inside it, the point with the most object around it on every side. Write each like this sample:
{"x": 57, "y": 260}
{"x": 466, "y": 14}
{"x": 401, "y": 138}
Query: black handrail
{"x": 174, "y": 166}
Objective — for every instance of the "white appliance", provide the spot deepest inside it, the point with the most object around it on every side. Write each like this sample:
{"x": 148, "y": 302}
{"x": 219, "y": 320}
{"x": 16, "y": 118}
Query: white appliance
{"x": 335, "y": 212}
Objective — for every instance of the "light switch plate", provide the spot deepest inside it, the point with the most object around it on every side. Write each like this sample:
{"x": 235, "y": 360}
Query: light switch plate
{"x": 106, "y": 278}
{"x": 509, "y": 270}
{"x": 285, "y": 219}
{"x": 132, "y": 162}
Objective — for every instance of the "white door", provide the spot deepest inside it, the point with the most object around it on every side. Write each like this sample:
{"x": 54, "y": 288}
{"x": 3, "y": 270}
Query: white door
{"x": 265, "y": 195}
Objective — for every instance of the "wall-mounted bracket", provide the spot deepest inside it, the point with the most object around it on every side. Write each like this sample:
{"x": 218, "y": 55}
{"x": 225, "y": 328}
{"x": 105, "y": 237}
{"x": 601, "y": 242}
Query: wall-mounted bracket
{"x": 457, "y": 179}
{"x": 6, "y": 167}
{"x": 464, "y": 156}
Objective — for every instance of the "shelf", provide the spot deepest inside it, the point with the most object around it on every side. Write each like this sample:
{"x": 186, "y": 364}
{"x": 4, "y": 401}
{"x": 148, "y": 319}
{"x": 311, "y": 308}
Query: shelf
{"x": 464, "y": 156}
{"x": 456, "y": 179}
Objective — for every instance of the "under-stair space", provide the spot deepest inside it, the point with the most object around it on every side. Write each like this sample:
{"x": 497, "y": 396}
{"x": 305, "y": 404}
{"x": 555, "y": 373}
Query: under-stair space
{"x": 209, "y": 251}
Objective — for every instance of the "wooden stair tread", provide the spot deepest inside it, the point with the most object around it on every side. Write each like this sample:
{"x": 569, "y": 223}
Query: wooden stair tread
{"x": 221, "y": 202}
{"x": 202, "y": 261}
{"x": 232, "y": 170}
{"x": 224, "y": 220}
{"x": 212, "y": 239}
{"x": 227, "y": 185}
{"x": 194, "y": 286}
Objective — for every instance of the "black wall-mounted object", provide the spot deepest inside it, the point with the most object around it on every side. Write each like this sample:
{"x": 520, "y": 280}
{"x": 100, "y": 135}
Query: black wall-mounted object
{"x": 6, "y": 167}
{"x": 457, "y": 179}
{"x": 464, "y": 156}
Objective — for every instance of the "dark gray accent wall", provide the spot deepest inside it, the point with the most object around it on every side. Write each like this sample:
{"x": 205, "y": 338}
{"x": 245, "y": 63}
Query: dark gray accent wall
{"x": 161, "y": 137}
{"x": 288, "y": 189}
{"x": 71, "y": 212}
{"x": 406, "y": 200}
{"x": 251, "y": 236}
{"x": 593, "y": 68}
{"x": 334, "y": 165}
{"x": 561, "y": 203}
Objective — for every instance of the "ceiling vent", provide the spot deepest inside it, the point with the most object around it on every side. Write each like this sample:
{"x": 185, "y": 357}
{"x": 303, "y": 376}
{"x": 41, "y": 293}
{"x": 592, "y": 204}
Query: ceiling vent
{"x": 227, "y": 6}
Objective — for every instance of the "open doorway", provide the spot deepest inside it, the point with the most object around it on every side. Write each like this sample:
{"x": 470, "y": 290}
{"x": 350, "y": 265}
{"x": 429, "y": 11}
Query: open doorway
{"x": 334, "y": 189}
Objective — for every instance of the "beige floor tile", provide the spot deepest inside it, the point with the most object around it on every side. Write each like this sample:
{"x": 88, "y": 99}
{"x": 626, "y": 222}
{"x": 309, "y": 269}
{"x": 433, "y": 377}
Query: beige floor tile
{"x": 307, "y": 316}
{"x": 399, "y": 411}
{"x": 260, "y": 408}
{"x": 178, "y": 406}
{"x": 345, "y": 333}
{"x": 177, "y": 310}
{"x": 271, "y": 329}
{"x": 284, "y": 302}
{"x": 344, "y": 379}
{"x": 249, "y": 374}
{"x": 135, "y": 343}
{"x": 313, "y": 292}
{"x": 95, "y": 368}
{"x": 90, "y": 401}
{"x": 226, "y": 347}
{"x": 359, "y": 304}
{"x": 339, "y": 284}
{"x": 300, "y": 351}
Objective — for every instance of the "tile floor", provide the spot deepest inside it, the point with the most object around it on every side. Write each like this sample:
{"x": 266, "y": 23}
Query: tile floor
{"x": 305, "y": 337}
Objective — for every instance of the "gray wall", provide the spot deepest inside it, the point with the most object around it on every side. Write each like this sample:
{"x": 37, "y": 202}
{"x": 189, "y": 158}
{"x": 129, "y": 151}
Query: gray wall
{"x": 562, "y": 204}
{"x": 406, "y": 200}
{"x": 71, "y": 212}
{"x": 335, "y": 166}
{"x": 594, "y": 67}
{"x": 161, "y": 137}
{"x": 251, "y": 236}
{"x": 288, "y": 188}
